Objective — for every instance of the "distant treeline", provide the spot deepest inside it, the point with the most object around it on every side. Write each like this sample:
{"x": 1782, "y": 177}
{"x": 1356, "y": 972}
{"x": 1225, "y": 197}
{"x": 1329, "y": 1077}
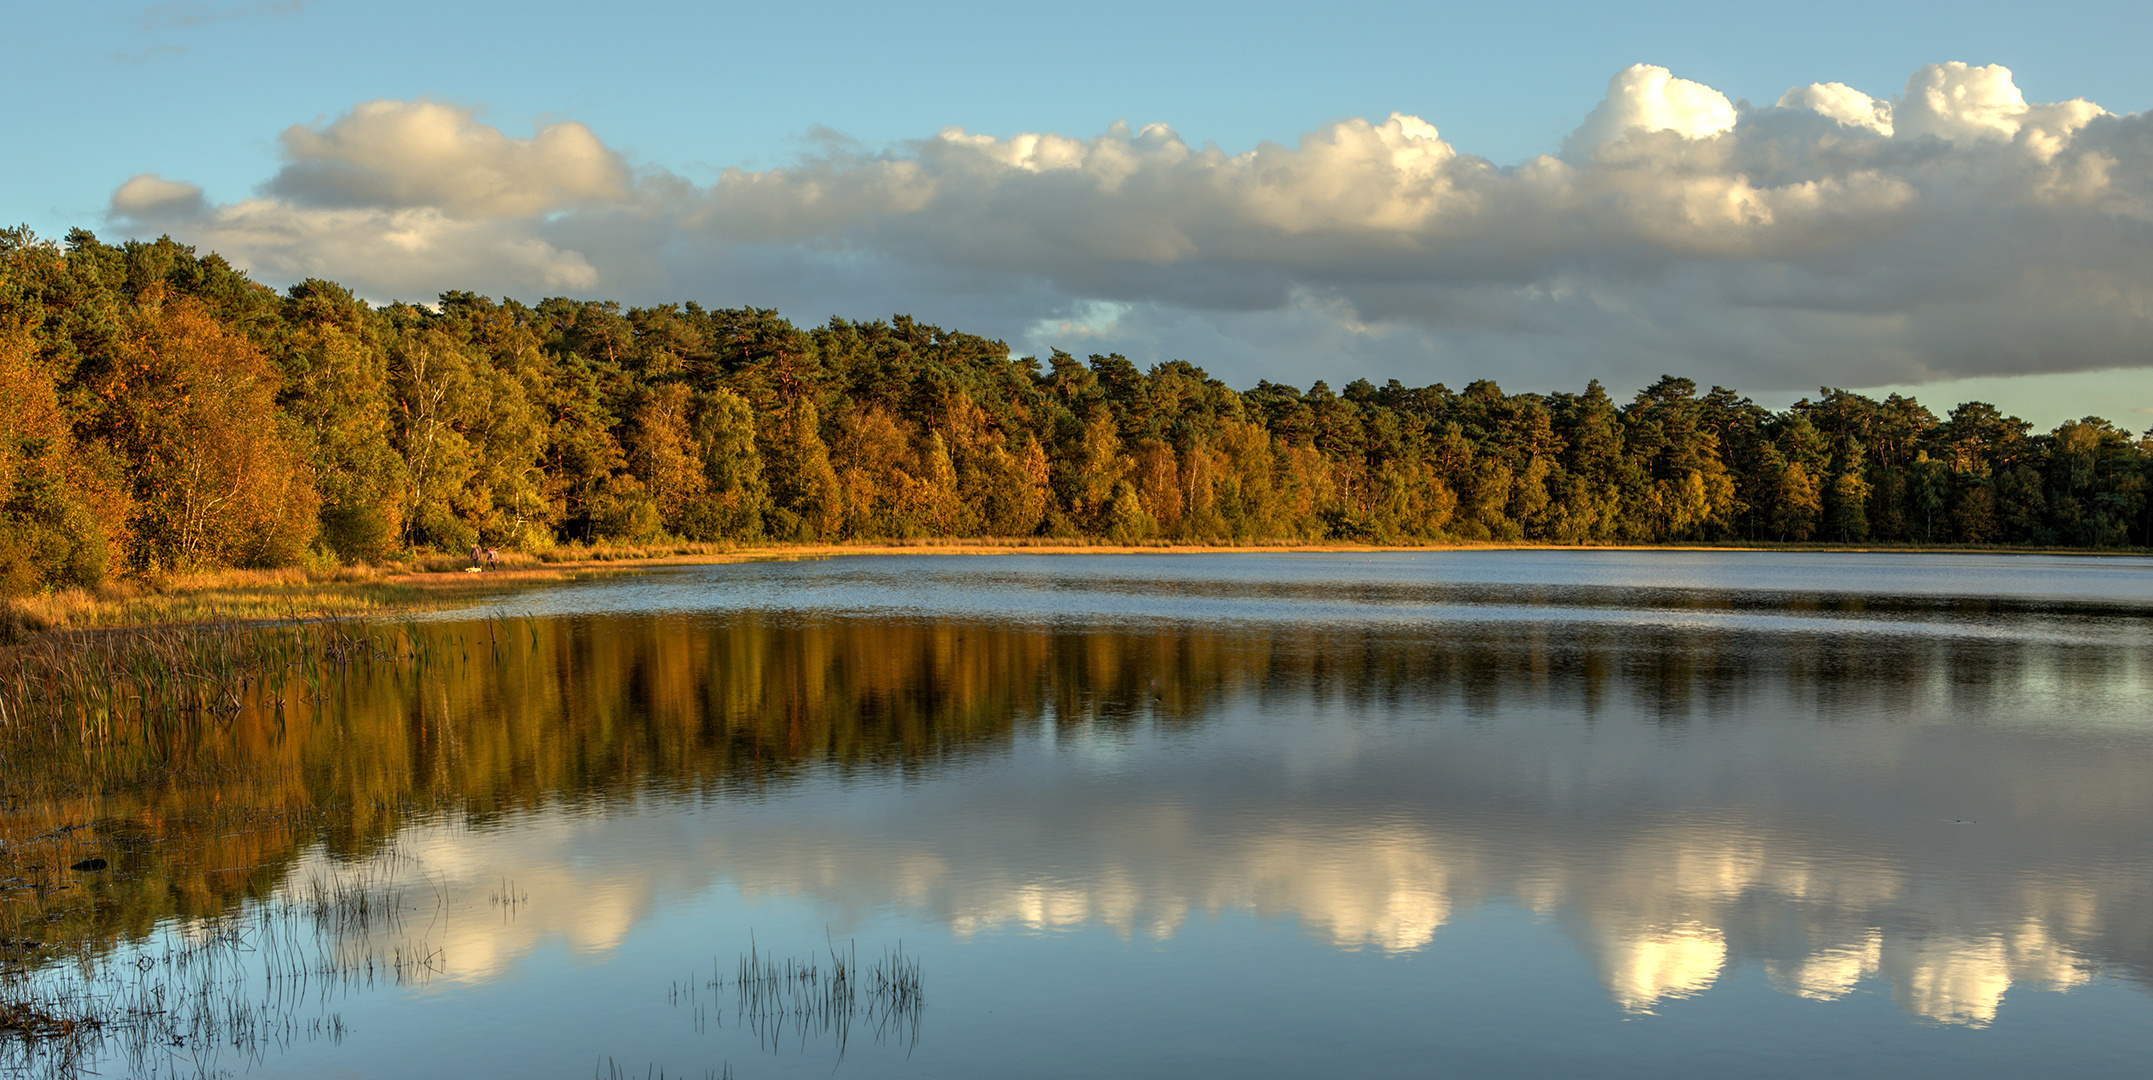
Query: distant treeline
{"x": 163, "y": 412}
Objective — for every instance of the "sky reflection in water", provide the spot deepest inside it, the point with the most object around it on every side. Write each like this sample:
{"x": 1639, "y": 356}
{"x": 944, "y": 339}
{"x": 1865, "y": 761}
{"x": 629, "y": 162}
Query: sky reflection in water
{"x": 1546, "y": 812}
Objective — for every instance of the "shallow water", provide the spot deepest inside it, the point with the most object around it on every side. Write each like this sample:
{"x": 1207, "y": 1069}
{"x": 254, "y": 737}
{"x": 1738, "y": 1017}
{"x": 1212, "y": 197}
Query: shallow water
{"x": 1532, "y": 813}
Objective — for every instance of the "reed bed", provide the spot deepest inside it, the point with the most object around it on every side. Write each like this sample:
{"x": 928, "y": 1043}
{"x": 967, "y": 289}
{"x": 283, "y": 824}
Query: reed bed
{"x": 421, "y": 582}
{"x": 232, "y": 596}
{"x": 611, "y": 1070}
{"x": 202, "y": 996}
{"x": 814, "y": 997}
{"x": 354, "y": 903}
{"x": 86, "y": 715}
{"x": 107, "y": 688}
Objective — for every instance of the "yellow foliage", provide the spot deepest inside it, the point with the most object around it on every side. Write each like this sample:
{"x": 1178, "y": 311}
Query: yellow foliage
{"x": 221, "y": 482}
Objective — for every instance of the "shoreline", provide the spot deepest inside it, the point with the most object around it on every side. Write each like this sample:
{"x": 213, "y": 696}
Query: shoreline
{"x": 786, "y": 552}
{"x": 438, "y": 581}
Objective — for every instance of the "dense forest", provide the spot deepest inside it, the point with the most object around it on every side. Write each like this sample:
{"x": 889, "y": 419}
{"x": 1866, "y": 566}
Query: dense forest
{"x": 162, "y": 412}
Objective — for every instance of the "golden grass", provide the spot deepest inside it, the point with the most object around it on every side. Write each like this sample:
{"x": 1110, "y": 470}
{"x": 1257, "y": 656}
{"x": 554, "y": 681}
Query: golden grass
{"x": 424, "y": 582}
{"x": 435, "y": 580}
{"x": 431, "y": 581}
{"x": 583, "y": 559}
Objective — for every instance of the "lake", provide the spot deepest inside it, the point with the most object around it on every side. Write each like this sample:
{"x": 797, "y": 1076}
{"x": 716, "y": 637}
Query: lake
{"x": 1538, "y": 813}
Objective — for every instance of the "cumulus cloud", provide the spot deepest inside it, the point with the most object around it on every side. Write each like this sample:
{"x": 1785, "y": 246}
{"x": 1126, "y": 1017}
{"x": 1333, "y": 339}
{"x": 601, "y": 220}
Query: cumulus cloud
{"x": 1646, "y": 98}
{"x": 1842, "y": 103}
{"x": 149, "y": 198}
{"x": 398, "y": 154}
{"x": 1833, "y": 237}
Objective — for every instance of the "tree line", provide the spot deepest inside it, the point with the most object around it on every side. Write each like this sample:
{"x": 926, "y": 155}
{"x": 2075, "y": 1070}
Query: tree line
{"x": 163, "y": 412}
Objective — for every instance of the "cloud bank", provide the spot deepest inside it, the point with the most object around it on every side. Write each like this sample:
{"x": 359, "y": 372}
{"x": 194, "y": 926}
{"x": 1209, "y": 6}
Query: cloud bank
{"x": 1831, "y": 237}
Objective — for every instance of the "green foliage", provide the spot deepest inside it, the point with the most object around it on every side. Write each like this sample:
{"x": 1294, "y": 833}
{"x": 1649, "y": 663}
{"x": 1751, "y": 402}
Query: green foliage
{"x": 161, "y": 410}
{"x": 50, "y": 490}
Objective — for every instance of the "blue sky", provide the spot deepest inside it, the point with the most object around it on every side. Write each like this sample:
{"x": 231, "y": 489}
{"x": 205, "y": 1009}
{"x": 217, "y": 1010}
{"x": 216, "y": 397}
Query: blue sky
{"x": 794, "y": 156}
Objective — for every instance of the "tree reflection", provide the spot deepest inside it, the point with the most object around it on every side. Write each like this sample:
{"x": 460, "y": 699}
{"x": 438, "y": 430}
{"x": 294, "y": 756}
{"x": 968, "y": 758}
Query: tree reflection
{"x": 497, "y": 719}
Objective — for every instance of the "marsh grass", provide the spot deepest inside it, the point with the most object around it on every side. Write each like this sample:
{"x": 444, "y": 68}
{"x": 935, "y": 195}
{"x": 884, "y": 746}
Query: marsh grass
{"x": 110, "y": 688}
{"x": 94, "y": 720}
{"x": 814, "y": 997}
{"x": 201, "y": 996}
{"x": 739, "y": 550}
{"x": 228, "y": 596}
{"x": 509, "y": 898}
{"x": 610, "y": 1069}
{"x": 434, "y": 580}
{"x": 354, "y": 903}
{"x": 421, "y": 583}
{"x": 582, "y": 553}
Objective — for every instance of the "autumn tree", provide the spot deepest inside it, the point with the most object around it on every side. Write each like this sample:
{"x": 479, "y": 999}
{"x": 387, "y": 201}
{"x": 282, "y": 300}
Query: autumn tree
{"x": 220, "y": 477}
{"x": 335, "y": 390}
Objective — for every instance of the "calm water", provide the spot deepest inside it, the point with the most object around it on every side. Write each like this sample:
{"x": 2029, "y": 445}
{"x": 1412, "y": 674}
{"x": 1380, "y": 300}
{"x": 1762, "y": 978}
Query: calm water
{"x": 1541, "y": 813}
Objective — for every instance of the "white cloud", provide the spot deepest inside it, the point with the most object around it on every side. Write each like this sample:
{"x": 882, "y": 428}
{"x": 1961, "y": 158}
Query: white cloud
{"x": 1088, "y": 319}
{"x": 402, "y": 154}
{"x": 1646, "y": 98}
{"x": 1962, "y": 103}
{"x": 408, "y": 254}
{"x": 1842, "y": 103}
{"x": 1959, "y": 102}
{"x": 1832, "y": 238}
{"x": 149, "y": 197}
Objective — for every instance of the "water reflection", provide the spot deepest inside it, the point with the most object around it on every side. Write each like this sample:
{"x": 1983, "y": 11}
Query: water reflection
{"x": 1954, "y": 806}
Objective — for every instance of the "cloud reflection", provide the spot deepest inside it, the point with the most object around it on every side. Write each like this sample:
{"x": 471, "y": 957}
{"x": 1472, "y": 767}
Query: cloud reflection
{"x": 1950, "y": 816}
{"x": 1663, "y": 913}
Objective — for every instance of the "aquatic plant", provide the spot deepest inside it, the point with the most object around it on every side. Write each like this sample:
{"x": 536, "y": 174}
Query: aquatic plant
{"x": 106, "y": 687}
{"x": 611, "y": 1070}
{"x": 185, "y": 1000}
{"x": 816, "y": 997}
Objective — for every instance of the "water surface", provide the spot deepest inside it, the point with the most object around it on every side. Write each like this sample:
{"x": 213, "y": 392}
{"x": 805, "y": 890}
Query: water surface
{"x": 1536, "y": 813}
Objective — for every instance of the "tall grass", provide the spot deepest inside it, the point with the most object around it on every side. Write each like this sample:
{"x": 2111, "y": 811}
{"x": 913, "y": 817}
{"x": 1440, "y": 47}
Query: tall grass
{"x": 188, "y": 999}
{"x": 109, "y": 688}
{"x": 257, "y": 596}
{"x": 217, "y": 597}
{"x": 816, "y": 997}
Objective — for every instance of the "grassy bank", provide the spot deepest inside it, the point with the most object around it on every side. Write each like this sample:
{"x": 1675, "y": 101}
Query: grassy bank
{"x": 252, "y": 596}
{"x": 429, "y": 582}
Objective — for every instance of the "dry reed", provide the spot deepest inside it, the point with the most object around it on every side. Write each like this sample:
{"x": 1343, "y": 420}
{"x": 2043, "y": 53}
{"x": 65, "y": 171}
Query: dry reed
{"x": 182, "y": 1001}
{"x": 111, "y": 688}
{"x": 816, "y": 998}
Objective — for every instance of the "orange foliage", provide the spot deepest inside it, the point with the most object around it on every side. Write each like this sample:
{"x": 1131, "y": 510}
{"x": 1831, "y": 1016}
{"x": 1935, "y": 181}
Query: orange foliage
{"x": 218, "y": 479}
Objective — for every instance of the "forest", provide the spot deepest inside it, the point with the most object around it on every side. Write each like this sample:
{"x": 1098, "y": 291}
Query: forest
{"x": 162, "y": 413}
